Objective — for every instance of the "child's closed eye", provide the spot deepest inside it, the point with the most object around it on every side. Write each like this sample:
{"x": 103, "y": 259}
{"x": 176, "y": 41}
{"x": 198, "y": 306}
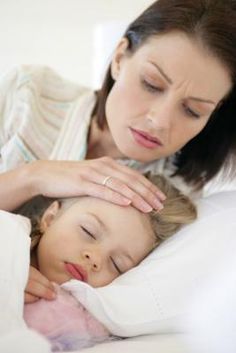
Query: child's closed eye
{"x": 114, "y": 264}
{"x": 88, "y": 232}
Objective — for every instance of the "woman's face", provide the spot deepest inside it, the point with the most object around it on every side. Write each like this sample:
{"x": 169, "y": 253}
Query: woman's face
{"x": 92, "y": 240}
{"x": 163, "y": 95}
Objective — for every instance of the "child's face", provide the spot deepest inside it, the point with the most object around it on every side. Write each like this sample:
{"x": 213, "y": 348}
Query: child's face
{"x": 93, "y": 241}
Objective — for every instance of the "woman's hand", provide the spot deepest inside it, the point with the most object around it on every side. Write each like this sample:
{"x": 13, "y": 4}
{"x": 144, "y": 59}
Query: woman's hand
{"x": 68, "y": 178}
{"x": 38, "y": 287}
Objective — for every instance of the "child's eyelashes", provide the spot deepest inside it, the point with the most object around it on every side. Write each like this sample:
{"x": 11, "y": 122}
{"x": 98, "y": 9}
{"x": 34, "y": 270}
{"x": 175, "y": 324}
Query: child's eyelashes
{"x": 116, "y": 266}
{"x": 88, "y": 232}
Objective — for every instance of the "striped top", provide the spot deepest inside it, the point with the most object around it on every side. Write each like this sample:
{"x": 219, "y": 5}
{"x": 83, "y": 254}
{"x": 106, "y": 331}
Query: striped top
{"x": 44, "y": 116}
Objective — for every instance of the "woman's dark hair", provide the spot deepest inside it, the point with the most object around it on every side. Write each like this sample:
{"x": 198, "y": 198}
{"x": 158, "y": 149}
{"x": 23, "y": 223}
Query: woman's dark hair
{"x": 213, "y": 22}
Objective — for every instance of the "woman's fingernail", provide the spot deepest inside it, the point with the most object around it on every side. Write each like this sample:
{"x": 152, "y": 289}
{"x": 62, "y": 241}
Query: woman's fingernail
{"x": 158, "y": 205}
{"x": 145, "y": 207}
{"x": 126, "y": 201}
{"x": 161, "y": 196}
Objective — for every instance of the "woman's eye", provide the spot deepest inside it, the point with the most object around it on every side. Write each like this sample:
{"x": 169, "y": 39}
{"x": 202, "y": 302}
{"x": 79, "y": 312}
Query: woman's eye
{"x": 88, "y": 232}
{"x": 150, "y": 87}
{"x": 116, "y": 266}
{"x": 191, "y": 112}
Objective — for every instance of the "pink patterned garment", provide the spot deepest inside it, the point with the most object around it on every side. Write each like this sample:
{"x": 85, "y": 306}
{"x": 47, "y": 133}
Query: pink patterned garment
{"x": 65, "y": 323}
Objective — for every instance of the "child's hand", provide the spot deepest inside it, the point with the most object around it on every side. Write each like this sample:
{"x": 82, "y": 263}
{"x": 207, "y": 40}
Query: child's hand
{"x": 38, "y": 286}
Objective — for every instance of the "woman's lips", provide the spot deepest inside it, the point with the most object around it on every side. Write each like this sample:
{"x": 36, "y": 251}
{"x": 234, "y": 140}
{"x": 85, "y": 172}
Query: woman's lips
{"x": 76, "y": 271}
{"x": 145, "y": 140}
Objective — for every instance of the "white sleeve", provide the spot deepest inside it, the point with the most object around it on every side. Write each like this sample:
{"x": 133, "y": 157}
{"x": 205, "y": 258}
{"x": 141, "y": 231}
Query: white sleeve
{"x": 13, "y": 96}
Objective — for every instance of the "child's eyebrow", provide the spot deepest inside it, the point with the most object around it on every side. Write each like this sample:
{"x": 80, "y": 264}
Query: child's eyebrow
{"x": 98, "y": 220}
{"x": 104, "y": 227}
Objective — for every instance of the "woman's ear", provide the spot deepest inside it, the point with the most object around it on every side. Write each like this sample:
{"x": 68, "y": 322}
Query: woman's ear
{"x": 118, "y": 55}
{"x": 49, "y": 215}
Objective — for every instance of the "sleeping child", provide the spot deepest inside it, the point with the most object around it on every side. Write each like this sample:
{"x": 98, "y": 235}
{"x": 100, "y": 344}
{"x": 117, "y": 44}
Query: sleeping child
{"x": 93, "y": 241}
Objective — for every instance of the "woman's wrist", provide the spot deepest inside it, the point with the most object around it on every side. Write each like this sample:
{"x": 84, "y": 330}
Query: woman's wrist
{"x": 17, "y": 186}
{"x": 31, "y": 176}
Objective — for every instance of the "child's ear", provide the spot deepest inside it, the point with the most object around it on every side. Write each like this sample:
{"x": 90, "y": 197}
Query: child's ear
{"x": 118, "y": 55}
{"x": 49, "y": 215}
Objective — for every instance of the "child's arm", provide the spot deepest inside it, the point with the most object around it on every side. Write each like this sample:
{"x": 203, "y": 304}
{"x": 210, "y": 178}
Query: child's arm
{"x": 38, "y": 286}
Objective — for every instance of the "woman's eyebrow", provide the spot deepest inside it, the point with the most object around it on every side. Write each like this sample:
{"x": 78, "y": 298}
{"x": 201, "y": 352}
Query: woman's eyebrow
{"x": 202, "y": 100}
{"x": 164, "y": 75}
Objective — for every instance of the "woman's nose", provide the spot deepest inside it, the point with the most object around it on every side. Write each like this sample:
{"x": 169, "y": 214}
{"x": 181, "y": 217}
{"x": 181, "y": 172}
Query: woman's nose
{"x": 93, "y": 259}
{"x": 159, "y": 120}
{"x": 161, "y": 115}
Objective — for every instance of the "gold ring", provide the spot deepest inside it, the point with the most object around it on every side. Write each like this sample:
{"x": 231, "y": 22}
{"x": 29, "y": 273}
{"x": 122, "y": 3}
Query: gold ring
{"x": 105, "y": 181}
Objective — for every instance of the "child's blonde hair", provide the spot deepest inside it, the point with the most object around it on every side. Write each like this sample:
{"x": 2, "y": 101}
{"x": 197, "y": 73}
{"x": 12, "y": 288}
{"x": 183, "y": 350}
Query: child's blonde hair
{"x": 178, "y": 210}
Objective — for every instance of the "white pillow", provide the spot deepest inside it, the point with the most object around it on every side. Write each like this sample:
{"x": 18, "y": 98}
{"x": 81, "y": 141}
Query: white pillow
{"x": 155, "y": 297}
{"x": 14, "y": 268}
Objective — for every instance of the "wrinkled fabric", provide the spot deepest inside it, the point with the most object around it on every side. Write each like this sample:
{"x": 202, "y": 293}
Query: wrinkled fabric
{"x": 65, "y": 323}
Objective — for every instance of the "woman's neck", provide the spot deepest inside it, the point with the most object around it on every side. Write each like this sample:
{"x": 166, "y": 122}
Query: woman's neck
{"x": 101, "y": 143}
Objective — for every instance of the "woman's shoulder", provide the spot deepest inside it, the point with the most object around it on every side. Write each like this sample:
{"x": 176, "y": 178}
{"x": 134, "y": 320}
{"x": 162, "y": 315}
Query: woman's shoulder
{"x": 36, "y": 106}
{"x": 44, "y": 81}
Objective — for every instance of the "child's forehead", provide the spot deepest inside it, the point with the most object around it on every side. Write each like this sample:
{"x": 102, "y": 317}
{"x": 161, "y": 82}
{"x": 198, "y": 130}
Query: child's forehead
{"x": 112, "y": 214}
{"x": 123, "y": 225}
{"x": 103, "y": 207}
{"x": 92, "y": 203}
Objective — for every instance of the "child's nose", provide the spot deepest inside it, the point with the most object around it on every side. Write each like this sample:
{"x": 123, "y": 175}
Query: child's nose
{"x": 93, "y": 259}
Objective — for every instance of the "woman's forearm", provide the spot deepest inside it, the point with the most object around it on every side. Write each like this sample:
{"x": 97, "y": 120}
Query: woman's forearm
{"x": 16, "y": 187}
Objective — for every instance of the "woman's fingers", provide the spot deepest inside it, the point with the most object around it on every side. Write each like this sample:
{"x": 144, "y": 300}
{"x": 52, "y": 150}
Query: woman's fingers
{"x": 90, "y": 177}
{"x": 132, "y": 176}
{"x": 110, "y": 188}
{"x": 116, "y": 191}
{"x": 130, "y": 183}
{"x": 105, "y": 193}
{"x": 141, "y": 198}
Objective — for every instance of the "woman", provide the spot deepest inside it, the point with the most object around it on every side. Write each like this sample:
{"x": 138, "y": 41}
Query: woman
{"x": 167, "y": 103}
